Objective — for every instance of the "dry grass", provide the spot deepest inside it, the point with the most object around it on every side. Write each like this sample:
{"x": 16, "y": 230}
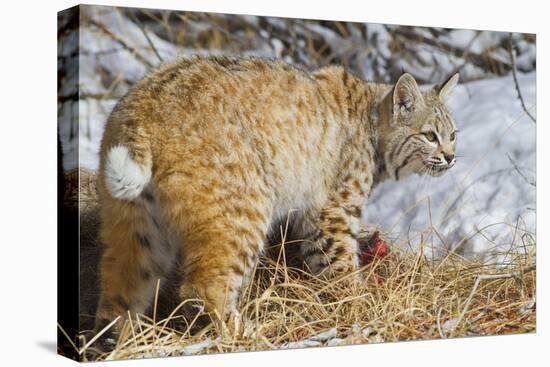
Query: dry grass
{"x": 404, "y": 296}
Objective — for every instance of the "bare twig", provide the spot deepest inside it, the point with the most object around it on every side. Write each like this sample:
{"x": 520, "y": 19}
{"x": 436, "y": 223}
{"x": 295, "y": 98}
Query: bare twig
{"x": 144, "y": 31}
{"x": 480, "y": 60}
{"x": 514, "y": 74}
{"x": 516, "y": 167}
{"x": 465, "y": 54}
{"x": 121, "y": 42}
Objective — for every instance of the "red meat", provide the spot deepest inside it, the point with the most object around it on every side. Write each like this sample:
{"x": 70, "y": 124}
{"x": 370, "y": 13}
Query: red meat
{"x": 377, "y": 248}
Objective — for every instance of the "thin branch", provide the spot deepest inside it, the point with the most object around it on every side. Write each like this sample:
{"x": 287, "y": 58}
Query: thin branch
{"x": 465, "y": 54}
{"x": 121, "y": 42}
{"x": 479, "y": 60}
{"x": 144, "y": 31}
{"x": 514, "y": 74}
{"x": 516, "y": 167}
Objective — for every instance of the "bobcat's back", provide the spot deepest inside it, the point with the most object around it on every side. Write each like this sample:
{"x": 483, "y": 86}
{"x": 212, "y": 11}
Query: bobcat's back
{"x": 222, "y": 119}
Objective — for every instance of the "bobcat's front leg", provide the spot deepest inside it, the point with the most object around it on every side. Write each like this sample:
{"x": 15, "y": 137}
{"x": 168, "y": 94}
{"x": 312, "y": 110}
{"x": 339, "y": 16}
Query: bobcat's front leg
{"x": 334, "y": 248}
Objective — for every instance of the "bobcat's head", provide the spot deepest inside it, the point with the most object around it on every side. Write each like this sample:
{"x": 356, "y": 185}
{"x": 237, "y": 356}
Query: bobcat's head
{"x": 421, "y": 135}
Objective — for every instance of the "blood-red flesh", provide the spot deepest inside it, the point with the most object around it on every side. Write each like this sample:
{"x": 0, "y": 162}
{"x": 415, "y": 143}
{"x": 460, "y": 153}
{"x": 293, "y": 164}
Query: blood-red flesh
{"x": 377, "y": 248}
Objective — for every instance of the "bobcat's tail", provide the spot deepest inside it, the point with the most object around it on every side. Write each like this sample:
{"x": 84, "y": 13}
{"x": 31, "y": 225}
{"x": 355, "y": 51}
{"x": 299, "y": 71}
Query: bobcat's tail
{"x": 125, "y": 178}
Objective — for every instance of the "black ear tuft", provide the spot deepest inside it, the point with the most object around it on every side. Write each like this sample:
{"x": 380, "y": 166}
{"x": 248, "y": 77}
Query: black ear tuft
{"x": 446, "y": 89}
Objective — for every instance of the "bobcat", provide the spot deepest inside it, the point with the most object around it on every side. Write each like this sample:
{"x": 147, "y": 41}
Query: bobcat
{"x": 202, "y": 159}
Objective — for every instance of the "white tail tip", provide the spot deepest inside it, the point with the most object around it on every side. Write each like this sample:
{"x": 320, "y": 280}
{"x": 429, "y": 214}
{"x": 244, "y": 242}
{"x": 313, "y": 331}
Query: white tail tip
{"x": 124, "y": 178}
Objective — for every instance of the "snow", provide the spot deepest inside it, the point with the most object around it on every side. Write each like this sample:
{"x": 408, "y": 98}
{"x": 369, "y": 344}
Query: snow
{"x": 475, "y": 41}
{"x": 313, "y": 341}
{"x": 198, "y": 347}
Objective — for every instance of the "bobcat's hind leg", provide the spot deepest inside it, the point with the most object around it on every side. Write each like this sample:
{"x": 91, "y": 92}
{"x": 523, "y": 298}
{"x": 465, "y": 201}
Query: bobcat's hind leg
{"x": 217, "y": 263}
{"x": 134, "y": 259}
{"x": 221, "y": 243}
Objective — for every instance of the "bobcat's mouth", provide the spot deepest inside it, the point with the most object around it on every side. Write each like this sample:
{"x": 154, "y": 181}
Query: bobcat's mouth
{"x": 437, "y": 170}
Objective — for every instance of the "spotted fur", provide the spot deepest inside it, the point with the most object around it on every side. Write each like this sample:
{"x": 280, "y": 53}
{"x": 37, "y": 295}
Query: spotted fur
{"x": 204, "y": 157}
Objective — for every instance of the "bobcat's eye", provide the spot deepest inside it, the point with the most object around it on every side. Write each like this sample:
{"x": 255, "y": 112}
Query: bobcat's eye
{"x": 453, "y": 135}
{"x": 431, "y": 137}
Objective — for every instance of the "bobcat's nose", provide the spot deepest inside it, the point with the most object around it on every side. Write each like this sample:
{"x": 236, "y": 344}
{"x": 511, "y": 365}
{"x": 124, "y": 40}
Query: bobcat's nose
{"x": 449, "y": 158}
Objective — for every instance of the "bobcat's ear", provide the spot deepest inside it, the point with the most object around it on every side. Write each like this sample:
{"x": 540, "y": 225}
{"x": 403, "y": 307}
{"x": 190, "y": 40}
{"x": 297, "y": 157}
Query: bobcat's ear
{"x": 406, "y": 94}
{"x": 446, "y": 89}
